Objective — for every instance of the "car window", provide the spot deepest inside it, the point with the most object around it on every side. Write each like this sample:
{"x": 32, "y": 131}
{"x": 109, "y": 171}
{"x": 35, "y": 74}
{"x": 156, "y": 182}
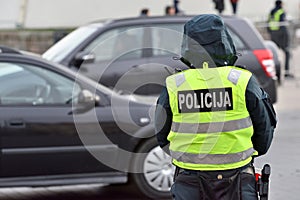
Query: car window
{"x": 64, "y": 47}
{"x": 26, "y": 84}
{"x": 239, "y": 44}
{"x": 118, "y": 43}
{"x": 167, "y": 39}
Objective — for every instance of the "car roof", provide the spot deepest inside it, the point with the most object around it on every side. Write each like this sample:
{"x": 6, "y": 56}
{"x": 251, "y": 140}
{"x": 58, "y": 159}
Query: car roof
{"x": 154, "y": 19}
{"x": 241, "y": 26}
{"x": 5, "y": 49}
{"x": 8, "y": 53}
{"x": 158, "y": 17}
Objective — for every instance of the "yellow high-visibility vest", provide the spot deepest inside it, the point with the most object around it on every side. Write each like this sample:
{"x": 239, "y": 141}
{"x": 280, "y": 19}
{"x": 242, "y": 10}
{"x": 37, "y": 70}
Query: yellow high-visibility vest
{"x": 211, "y": 127}
{"x": 274, "y": 21}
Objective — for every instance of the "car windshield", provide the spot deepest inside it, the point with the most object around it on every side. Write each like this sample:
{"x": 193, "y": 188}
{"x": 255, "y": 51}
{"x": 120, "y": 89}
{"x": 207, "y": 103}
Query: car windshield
{"x": 59, "y": 51}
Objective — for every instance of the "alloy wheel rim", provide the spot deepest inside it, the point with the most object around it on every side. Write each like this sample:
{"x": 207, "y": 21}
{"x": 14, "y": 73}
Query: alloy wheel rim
{"x": 158, "y": 170}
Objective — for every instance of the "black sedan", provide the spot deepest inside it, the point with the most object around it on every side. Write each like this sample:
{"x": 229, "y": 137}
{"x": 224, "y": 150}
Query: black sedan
{"x": 136, "y": 54}
{"x": 59, "y": 128}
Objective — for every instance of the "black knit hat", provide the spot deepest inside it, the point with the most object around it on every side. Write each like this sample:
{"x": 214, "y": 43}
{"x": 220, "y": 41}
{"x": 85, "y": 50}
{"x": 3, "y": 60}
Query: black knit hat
{"x": 278, "y": 3}
{"x": 206, "y": 39}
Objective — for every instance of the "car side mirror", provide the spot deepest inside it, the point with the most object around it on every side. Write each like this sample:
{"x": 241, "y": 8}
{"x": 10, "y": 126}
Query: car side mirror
{"x": 86, "y": 101}
{"x": 87, "y": 97}
{"x": 83, "y": 57}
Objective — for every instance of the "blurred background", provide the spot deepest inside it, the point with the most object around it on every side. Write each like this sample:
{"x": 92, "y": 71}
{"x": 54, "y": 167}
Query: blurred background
{"x": 34, "y": 25}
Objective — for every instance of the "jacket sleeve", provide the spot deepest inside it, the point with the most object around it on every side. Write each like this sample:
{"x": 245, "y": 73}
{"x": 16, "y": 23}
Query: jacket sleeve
{"x": 262, "y": 114}
{"x": 282, "y": 17}
{"x": 163, "y": 119}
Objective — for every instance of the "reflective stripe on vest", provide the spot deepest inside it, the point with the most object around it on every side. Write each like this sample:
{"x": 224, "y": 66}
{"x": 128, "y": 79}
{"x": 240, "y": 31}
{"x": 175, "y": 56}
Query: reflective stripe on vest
{"x": 211, "y": 127}
{"x": 212, "y": 158}
{"x": 274, "y": 21}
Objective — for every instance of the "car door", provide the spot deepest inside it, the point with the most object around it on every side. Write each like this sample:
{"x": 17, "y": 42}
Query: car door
{"x": 38, "y": 132}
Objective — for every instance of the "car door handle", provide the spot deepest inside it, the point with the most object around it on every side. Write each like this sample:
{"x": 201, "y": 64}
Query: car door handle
{"x": 16, "y": 123}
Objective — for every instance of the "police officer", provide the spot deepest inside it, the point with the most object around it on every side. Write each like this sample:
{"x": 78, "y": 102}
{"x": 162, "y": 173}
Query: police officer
{"x": 213, "y": 118}
{"x": 278, "y": 30}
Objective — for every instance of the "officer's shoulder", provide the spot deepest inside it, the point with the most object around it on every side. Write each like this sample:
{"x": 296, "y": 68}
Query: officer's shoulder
{"x": 175, "y": 72}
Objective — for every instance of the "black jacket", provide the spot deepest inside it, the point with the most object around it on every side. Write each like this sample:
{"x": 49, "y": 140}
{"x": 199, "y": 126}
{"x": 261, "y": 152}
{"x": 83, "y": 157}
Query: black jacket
{"x": 259, "y": 107}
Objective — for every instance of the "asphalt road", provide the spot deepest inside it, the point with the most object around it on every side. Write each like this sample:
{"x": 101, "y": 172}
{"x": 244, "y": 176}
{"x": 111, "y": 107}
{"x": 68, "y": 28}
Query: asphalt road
{"x": 283, "y": 157}
{"x": 284, "y": 152}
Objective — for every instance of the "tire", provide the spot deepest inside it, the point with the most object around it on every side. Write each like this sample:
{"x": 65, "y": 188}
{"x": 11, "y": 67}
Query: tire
{"x": 157, "y": 177}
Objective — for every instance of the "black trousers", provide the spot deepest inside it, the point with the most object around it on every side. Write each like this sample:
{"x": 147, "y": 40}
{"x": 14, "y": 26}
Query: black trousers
{"x": 287, "y": 59}
{"x": 217, "y": 185}
{"x": 282, "y": 40}
{"x": 234, "y": 7}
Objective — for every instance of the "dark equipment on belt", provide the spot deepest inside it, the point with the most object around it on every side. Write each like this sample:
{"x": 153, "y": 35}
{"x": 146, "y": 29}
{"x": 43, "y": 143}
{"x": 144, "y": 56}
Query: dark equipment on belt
{"x": 263, "y": 182}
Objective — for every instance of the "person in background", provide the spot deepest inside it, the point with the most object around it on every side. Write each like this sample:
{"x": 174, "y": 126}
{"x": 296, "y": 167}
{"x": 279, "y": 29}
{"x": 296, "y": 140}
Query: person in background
{"x": 176, "y": 6}
{"x": 144, "y": 12}
{"x": 219, "y": 5}
{"x": 234, "y": 4}
{"x": 278, "y": 30}
{"x": 170, "y": 11}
